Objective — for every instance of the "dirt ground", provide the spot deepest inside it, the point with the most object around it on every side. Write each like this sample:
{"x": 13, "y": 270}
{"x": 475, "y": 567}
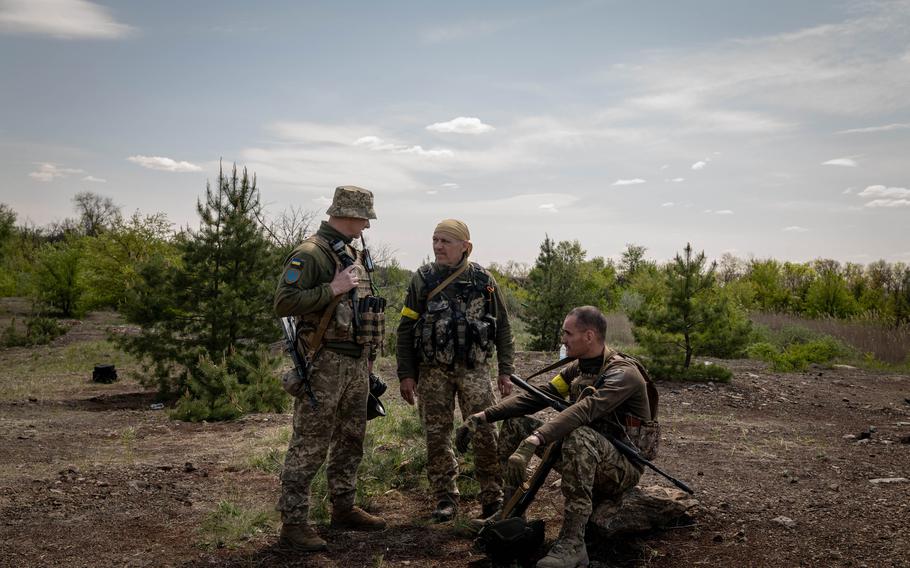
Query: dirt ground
{"x": 788, "y": 469}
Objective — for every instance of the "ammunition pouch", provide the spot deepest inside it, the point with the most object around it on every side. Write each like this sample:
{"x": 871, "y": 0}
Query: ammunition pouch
{"x": 371, "y": 311}
{"x": 645, "y": 435}
{"x": 444, "y": 336}
{"x": 293, "y": 383}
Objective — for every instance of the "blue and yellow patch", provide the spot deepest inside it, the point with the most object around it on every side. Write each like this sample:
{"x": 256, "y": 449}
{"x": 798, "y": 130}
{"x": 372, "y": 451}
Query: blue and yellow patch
{"x": 296, "y": 263}
{"x": 291, "y": 275}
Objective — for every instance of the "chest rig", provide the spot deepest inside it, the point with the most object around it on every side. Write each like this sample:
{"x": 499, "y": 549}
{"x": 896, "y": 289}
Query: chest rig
{"x": 357, "y": 316}
{"x": 459, "y": 324}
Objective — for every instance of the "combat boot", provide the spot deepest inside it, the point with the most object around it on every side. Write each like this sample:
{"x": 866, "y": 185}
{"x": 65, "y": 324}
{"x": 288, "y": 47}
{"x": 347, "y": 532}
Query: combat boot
{"x": 570, "y": 550}
{"x": 355, "y": 518}
{"x": 301, "y": 538}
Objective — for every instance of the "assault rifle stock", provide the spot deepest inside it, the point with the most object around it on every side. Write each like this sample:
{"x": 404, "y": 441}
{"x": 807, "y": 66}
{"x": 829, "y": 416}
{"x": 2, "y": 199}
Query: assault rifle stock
{"x": 631, "y": 453}
{"x": 301, "y": 364}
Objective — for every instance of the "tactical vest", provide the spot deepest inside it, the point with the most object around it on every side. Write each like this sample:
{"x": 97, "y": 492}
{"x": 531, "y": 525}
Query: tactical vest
{"x": 459, "y": 324}
{"x": 643, "y": 434}
{"x": 337, "y": 322}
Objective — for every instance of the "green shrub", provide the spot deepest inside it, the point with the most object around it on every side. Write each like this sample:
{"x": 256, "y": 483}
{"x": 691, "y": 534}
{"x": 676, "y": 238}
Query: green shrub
{"x": 39, "y": 330}
{"x": 797, "y": 356}
{"x": 698, "y": 372}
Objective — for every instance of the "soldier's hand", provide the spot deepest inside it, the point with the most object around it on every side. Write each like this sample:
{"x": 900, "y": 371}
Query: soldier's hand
{"x": 505, "y": 385}
{"x": 345, "y": 280}
{"x": 465, "y": 432}
{"x": 408, "y": 388}
{"x": 517, "y": 467}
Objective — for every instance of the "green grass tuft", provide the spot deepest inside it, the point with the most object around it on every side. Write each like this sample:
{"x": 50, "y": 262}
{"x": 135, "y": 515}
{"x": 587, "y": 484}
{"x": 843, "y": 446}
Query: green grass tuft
{"x": 230, "y": 525}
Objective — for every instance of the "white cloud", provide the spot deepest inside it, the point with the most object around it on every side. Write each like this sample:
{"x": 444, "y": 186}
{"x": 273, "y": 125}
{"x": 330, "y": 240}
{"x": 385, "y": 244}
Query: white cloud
{"x": 882, "y": 191}
{"x": 548, "y": 207}
{"x": 461, "y": 125}
{"x": 889, "y": 203}
{"x": 883, "y": 128}
{"x": 62, "y": 19}
{"x": 94, "y": 179}
{"x": 49, "y": 172}
{"x": 323, "y": 200}
{"x": 699, "y": 165}
{"x": 450, "y": 185}
{"x": 164, "y": 164}
{"x": 465, "y": 30}
{"x": 377, "y": 144}
{"x": 667, "y": 204}
{"x": 847, "y": 191}
{"x": 677, "y": 180}
{"x": 724, "y": 212}
{"x": 794, "y": 229}
{"x": 846, "y": 162}
{"x": 432, "y": 192}
{"x": 635, "y": 181}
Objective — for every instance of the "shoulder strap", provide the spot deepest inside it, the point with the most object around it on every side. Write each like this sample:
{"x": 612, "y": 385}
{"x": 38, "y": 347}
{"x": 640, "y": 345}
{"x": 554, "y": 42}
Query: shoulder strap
{"x": 442, "y": 285}
{"x": 325, "y": 247}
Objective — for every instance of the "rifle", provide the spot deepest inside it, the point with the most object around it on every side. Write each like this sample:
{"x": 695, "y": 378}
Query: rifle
{"x": 301, "y": 364}
{"x": 631, "y": 453}
{"x": 524, "y": 494}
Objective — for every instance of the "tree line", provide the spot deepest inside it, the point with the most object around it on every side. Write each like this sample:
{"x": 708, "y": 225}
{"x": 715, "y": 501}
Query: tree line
{"x": 202, "y": 297}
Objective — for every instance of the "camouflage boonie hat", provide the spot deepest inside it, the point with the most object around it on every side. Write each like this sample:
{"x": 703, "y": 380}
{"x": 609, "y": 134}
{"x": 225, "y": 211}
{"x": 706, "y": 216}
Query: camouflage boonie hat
{"x": 352, "y": 201}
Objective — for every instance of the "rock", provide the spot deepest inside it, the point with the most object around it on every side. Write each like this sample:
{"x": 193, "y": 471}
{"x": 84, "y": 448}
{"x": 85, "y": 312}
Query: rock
{"x": 642, "y": 509}
{"x": 752, "y": 375}
{"x": 849, "y": 367}
{"x": 784, "y": 521}
{"x": 188, "y": 467}
{"x": 849, "y": 436}
{"x": 905, "y": 440}
{"x": 889, "y": 480}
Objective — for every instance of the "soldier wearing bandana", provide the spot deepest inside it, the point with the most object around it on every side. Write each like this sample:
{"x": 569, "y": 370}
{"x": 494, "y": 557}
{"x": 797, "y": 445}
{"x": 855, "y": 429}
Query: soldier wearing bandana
{"x": 453, "y": 320}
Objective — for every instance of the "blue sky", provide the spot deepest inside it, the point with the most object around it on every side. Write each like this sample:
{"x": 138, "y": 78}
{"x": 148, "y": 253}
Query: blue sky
{"x": 763, "y": 129}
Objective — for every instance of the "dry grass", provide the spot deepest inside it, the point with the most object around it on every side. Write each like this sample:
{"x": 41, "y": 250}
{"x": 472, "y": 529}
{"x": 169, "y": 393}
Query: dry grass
{"x": 887, "y": 344}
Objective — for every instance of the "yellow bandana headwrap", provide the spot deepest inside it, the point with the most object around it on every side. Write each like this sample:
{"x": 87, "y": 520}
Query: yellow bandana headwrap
{"x": 456, "y": 229}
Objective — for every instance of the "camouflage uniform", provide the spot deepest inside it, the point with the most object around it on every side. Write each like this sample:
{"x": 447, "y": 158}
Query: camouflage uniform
{"x": 339, "y": 376}
{"x": 454, "y": 370}
{"x": 592, "y": 469}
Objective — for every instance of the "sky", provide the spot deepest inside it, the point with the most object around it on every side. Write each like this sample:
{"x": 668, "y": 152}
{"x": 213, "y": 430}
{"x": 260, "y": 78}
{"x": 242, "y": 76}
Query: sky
{"x": 763, "y": 129}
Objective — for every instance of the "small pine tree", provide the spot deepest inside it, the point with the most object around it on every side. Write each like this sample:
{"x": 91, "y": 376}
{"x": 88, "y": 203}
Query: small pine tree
{"x": 687, "y": 315}
{"x": 560, "y": 280}
{"x": 213, "y": 304}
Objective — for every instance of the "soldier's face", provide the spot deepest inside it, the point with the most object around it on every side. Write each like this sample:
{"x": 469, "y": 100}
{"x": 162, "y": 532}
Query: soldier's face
{"x": 579, "y": 342}
{"x": 448, "y": 251}
{"x": 353, "y": 227}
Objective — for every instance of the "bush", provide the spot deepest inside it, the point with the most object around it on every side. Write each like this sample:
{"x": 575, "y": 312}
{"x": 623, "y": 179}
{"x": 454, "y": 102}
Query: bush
{"x": 798, "y": 355}
{"x": 213, "y": 391}
{"x": 39, "y": 330}
{"x": 704, "y": 372}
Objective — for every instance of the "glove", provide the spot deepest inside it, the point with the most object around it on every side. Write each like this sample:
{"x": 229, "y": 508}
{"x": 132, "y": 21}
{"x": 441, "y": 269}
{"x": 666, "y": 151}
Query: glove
{"x": 465, "y": 432}
{"x": 517, "y": 469}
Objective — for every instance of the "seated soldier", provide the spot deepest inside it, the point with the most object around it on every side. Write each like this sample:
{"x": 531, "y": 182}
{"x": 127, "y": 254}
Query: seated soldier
{"x": 609, "y": 395}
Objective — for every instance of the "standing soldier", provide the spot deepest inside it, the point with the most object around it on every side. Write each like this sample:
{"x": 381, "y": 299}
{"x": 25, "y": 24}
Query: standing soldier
{"x": 453, "y": 319}
{"x": 325, "y": 287}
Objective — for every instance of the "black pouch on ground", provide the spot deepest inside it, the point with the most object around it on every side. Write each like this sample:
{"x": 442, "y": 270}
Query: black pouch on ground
{"x": 509, "y": 540}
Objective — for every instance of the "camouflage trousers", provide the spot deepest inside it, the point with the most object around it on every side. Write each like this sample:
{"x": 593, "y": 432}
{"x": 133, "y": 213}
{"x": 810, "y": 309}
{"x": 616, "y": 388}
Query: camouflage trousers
{"x": 436, "y": 393}
{"x": 336, "y": 427}
{"x": 592, "y": 468}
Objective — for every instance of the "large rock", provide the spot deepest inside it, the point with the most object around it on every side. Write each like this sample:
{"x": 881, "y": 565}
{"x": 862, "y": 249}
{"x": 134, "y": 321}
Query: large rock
{"x": 643, "y": 509}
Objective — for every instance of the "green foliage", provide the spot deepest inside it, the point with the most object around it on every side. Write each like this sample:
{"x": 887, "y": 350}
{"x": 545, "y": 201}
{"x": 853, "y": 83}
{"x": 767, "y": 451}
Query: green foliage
{"x": 214, "y": 304}
{"x": 794, "y": 348}
{"x": 230, "y": 525}
{"x": 215, "y": 391}
{"x": 113, "y": 259}
{"x": 680, "y": 312}
{"x": 560, "y": 280}
{"x": 56, "y": 280}
{"x": 661, "y": 369}
{"x": 391, "y": 282}
{"x": 828, "y": 294}
{"x": 39, "y": 330}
